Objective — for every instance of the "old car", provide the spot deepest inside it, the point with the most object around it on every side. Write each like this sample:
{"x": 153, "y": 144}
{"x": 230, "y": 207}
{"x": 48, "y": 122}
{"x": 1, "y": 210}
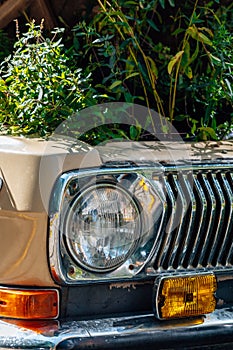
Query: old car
{"x": 123, "y": 245}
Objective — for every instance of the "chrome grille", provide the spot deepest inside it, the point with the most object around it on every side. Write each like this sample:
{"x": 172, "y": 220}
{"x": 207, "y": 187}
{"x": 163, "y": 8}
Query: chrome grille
{"x": 197, "y": 230}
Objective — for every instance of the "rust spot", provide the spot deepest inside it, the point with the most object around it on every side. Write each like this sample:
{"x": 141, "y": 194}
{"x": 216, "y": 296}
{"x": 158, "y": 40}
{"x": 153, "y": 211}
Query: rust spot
{"x": 128, "y": 286}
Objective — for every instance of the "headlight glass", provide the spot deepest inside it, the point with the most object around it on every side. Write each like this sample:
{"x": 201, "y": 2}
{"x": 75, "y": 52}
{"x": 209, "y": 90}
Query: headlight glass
{"x": 102, "y": 227}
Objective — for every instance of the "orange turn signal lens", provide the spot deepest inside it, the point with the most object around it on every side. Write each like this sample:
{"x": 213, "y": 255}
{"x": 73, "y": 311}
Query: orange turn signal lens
{"x": 185, "y": 296}
{"x": 29, "y": 304}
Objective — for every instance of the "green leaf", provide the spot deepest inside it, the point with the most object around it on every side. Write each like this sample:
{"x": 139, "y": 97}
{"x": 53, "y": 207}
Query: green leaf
{"x": 174, "y": 60}
{"x": 186, "y": 56}
{"x": 209, "y": 31}
{"x": 153, "y": 66}
{"x": 172, "y": 3}
{"x": 131, "y": 3}
{"x": 99, "y": 41}
{"x": 208, "y": 133}
{"x": 193, "y": 32}
{"x": 130, "y": 65}
{"x": 153, "y": 25}
{"x": 229, "y": 87}
{"x": 203, "y": 38}
{"x": 115, "y": 84}
{"x": 162, "y": 3}
{"x": 195, "y": 54}
{"x": 197, "y": 35}
{"x": 143, "y": 72}
{"x": 128, "y": 97}
{"x": 181, "y": 117}
{"x": 131, "y": 75}
{"x": 215, "y": 59}
{"x": 135, "y": 131}
{"x": 178, "y": 31}
{"x": 189, "y": 72}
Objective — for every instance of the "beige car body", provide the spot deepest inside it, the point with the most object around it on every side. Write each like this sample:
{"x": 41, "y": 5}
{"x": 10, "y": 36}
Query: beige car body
{"x": 29, "y": 168}
{"x": 24, "y": 210}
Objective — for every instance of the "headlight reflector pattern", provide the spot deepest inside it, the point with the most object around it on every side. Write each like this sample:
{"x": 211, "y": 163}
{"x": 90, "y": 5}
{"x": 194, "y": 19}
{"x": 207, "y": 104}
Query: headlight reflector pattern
{"x": 102, "y": 227}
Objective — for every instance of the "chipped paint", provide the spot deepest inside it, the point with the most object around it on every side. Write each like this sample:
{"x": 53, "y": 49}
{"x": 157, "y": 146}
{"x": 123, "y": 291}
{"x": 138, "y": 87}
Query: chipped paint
{"x": 128, "y": 285}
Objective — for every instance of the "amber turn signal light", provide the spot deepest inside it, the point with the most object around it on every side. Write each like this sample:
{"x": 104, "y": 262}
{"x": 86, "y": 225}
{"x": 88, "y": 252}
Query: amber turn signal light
{"x": 184, "y": 296}
{"x": 29, "y": 304}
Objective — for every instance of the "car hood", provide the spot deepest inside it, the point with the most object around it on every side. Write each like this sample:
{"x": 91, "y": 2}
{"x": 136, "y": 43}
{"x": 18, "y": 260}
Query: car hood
{"x": 30, "y": 167}
{"x": 166, "y": 152}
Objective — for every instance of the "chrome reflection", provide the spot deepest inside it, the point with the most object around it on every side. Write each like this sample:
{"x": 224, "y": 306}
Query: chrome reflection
{"x": 104, "y": 226}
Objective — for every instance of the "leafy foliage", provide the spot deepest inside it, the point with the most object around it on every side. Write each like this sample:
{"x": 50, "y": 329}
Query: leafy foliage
{"x": 38, "y": 87}
{"x": 201, "y": 72}
{"x": 172, "y": 56}
{"x": 118, "y": 46}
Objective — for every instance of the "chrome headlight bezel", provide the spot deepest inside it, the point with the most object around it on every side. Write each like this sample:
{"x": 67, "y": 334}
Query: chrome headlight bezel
{"x": 92, "y": 234}
{"x": 147, "y": 199}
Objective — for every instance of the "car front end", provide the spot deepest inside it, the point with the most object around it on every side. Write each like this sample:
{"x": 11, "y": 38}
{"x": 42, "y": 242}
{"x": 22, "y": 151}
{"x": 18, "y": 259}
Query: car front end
{"x": 126, "y": 245}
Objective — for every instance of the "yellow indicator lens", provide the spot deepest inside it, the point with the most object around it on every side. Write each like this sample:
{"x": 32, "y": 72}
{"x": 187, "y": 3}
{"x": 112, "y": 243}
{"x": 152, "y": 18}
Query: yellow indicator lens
{"x": 28, "y": 304}
{"x": 186, "y": 296}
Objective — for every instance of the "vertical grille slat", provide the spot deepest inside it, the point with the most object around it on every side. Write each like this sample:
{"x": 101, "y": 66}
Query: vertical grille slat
{"x": 227, "y": 233}
{"x": 213, "y": 254}
{"x": 211, "y": 205}
{"x": 198, "y": 225}
{"x": 179, "y": 221}
{"x": 190, "y": 234}
{"x": 229, "y": 261}
{"x": 200, "y": 221}
{"x": 169, "y": 224}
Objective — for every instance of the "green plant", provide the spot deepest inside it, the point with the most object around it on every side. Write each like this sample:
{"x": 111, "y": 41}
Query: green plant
{"x": 218, "y": 92}
{"x": 118, "y": 46}
{"x": 202, "y": 70}
{"x": 39, "y": 86}
{"x": 174, "y": 57}
{"x": 164, "y": 55}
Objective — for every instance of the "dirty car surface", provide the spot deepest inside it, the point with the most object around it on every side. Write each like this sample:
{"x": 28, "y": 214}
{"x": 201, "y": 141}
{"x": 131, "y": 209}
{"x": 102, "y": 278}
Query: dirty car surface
{"x": 126, "y": 245}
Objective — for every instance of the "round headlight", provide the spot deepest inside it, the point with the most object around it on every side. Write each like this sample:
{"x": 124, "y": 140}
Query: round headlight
{"x": 102, "y": 227}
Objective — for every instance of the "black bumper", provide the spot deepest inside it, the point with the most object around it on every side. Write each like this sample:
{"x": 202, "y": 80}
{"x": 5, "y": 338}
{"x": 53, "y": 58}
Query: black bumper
{"x": 213, "y": 331}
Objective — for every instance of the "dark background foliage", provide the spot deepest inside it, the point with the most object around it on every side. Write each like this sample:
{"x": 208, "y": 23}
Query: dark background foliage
{"x": 172, "y": 56}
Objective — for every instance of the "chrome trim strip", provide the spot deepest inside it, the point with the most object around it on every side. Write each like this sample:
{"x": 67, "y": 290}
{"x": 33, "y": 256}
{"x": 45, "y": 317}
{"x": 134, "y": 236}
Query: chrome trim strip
{"x": 229, "y": 222}
{"x": 200, "y": 166}
{"x": 230, "y": 254}
{"x": 220, "y": 218}
{"x": 203, "y": 208}
{"x": 190, "y": 228}
{"x": 178, "y": 237}
{"x": 211, "y": 202}
{"x": 162, "y": 197}
{"x": 169, "y": 227}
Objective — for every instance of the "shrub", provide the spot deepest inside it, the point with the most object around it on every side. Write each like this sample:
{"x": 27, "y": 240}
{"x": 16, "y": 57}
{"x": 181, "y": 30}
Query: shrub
{"x": 39, "y": 86}
{"x": 172, "y": 56}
